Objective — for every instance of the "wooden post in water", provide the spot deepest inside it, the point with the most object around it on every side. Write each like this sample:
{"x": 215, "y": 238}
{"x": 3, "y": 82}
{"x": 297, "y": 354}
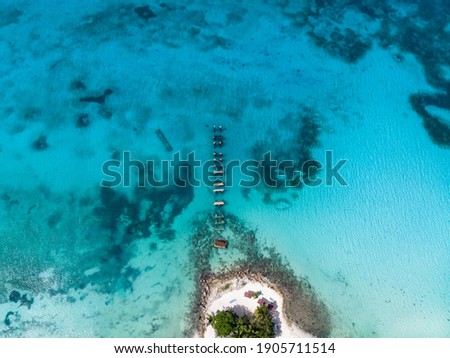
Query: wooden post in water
{"x": 164, "y": 140}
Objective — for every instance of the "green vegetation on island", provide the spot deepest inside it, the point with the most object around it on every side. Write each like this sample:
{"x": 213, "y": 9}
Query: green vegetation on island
{"x": 226, "y": 323}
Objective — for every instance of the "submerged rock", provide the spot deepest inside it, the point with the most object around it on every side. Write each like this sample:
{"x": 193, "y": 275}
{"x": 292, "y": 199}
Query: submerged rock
{"x": 54, "y": 219}
{"x": 165, "y": 6}
{"x": 144, "y": 12}
{"x": 25, "y": 301}
{"x": 83, "y": 120}
{"x": 40, "y": 143}
{"x": 7, "y": 320}
{"x": 97, "y": 99}
{"x": 77, "y": 85}
{"x": 14, "y": 296}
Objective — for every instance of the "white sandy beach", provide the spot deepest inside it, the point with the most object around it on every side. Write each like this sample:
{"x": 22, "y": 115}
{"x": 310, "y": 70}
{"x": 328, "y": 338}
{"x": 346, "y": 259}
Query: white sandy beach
{"x": 233, "y": 297}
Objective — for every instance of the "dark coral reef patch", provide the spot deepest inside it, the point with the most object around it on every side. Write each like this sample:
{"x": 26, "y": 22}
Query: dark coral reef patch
{"x": 421, "y": 28}
{"x": 436, "y": 128}
{"x": 347, "y": 45}
{"x": 291, "y": 145}
{"x": 84, "y": 239}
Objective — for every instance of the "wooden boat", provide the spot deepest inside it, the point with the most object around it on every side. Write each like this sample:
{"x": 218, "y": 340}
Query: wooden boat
{"x": 219, "y": 203}
{"x": 221, "y": 228}
{"x": 220, "y": 243}
{"x": 218, "y": 172}
{"x": 218, "y": 216}
{"x": 219, "y": 222}
{"x": 218, "y": 190}
{"x": 219, "y": 183}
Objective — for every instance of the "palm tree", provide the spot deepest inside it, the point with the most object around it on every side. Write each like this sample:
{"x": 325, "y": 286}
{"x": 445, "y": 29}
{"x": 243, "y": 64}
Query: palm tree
{"x": 242, "y": 327}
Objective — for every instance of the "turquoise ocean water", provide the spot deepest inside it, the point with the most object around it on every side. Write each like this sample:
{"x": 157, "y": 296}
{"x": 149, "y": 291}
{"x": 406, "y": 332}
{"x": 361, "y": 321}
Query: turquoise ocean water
{"x": 79, "y": 260}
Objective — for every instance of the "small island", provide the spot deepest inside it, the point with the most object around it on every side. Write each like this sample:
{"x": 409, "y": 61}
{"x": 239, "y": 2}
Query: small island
{"x": 245, "y": 307}
{"x": 239, "y": 287}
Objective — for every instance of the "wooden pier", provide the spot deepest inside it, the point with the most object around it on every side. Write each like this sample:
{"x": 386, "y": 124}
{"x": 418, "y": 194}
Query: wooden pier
{"x": 219, "y": 170}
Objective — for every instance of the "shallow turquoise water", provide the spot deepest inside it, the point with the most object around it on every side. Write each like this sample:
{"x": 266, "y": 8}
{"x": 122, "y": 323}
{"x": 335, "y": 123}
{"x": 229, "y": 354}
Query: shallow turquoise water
{"x": 116, "y": 263}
